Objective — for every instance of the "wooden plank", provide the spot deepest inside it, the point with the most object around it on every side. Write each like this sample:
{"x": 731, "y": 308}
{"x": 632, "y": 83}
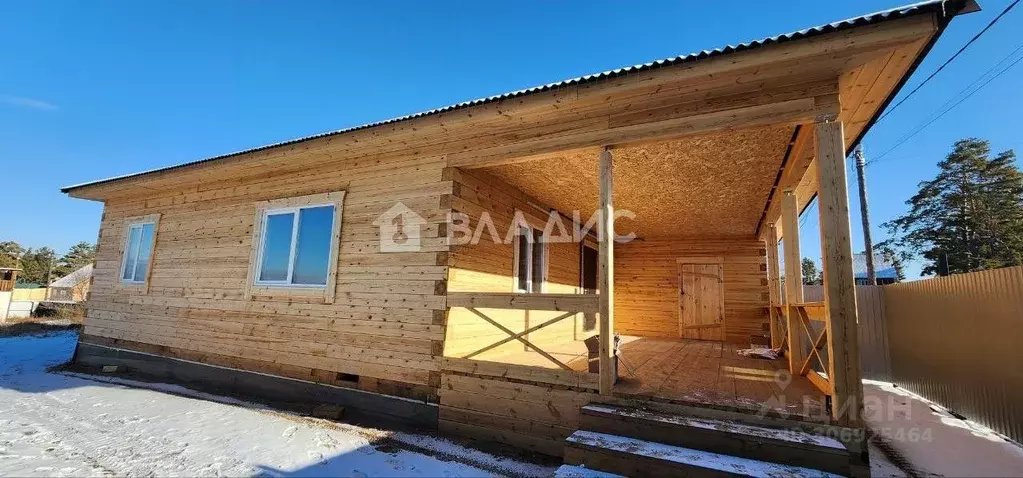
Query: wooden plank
{"x": 793, "y": 277}
{"x": 606, "y": 276}
{"x": 524, "y": 301}
{"x": 774, "y": 281}
{"x": 839, "y": 284}
{"x": 820, "y": 382}
{"x": 520, "y": 372}
{"x": 814, "y": 310}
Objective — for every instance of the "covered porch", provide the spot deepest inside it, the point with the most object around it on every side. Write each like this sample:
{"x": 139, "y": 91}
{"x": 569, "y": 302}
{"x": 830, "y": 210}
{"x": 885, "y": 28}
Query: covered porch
{"x": 691, "y": 276}
{"x": 711, "y": 161}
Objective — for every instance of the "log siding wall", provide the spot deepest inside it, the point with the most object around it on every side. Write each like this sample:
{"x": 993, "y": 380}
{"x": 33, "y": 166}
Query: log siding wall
{"x": 646, "y": 285}
{"x": 489, "y": 267}
{"x": 386, "y": 324}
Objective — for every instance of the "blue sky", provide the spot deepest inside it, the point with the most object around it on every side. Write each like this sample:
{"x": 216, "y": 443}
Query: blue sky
{"x": 90, "y": 90}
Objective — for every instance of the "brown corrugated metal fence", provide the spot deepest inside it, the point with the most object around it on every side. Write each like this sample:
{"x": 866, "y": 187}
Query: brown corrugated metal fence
{"x": 958, "y": 340}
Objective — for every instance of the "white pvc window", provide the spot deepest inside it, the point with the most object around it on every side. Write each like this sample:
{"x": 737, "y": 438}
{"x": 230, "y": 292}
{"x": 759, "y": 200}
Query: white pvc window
{"x": 295, "y": 246}
{"x": 138, "y": 252}
{"x": 530, "y": 261}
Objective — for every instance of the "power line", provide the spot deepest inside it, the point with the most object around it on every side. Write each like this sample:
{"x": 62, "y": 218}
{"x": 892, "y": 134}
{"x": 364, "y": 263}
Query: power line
{"x": 945, "y": 108}
{"x": 953, "y": 57}
{"x": 807, "y": 213}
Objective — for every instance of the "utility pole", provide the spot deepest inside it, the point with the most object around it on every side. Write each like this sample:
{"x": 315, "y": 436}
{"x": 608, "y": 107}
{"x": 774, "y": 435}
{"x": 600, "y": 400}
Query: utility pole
{"x": 865, "y": 216}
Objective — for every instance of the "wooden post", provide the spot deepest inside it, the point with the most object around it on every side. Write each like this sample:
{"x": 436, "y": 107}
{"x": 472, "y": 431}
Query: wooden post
{"x": 793, "y": 278}
{"x": 774, "y": 283}
{"x": 606, "y": 229}
{"x": 839, "y": 283}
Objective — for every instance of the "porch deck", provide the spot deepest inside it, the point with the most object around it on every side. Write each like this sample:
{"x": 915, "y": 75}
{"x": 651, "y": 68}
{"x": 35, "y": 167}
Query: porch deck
{"x": 693, "y": 371}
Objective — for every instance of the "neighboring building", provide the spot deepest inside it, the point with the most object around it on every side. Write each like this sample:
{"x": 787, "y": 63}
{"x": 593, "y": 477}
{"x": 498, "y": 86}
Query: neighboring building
{"x": 8, "y": 277}
{"x": 73, "y": 287}
{"x": 253, "y": 268}
{"x": 884, "y": 270}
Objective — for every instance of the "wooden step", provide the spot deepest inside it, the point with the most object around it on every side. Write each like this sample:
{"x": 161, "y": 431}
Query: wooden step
{"x": 749, "y": 415}
{"x": 728, "y": 437}
{"x": 635, "y": 457}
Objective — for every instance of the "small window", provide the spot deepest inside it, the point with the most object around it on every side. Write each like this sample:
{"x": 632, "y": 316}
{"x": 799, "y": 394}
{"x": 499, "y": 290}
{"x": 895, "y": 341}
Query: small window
{"x": 588, "y": 270}
{"x": 138, "y": 251}
{"x": 530, "y": 261}
{"x": 295, "y": 246}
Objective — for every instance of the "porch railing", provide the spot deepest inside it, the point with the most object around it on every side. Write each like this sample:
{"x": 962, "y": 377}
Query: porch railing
{"x": 817, "y": 336}
{"x": 570, "y": 304}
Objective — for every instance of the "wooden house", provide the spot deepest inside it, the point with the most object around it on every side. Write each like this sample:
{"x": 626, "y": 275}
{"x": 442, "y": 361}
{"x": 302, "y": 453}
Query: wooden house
{"x": 73, "y": 287}
{"x": 338, "y": 266}
{"x": 8, "y": 277}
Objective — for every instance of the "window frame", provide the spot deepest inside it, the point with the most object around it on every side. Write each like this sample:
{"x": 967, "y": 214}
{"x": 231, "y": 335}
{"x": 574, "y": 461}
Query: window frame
{"x": 295, "y": 211}
{"x": 140, "y": 225}
{"x": 129, "y": 223}
{"x": 284, "y": 290}
{"x": 544, "y": 262}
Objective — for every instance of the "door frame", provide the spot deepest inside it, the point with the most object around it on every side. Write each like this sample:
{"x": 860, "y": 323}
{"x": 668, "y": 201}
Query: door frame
{"x": 698, "y": 260}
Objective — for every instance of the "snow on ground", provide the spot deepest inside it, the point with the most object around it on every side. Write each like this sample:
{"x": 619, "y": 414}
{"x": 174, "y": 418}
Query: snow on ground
{"x": 64, "y": 424}
{"x": 934, "y": 442}
{"x": 54, "y": 424}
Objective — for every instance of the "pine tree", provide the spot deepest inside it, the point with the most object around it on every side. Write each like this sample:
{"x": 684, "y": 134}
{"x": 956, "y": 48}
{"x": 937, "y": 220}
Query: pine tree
{"x": 79, "y": 255}
{"x": 894, "y": 257}
{"x": 972, "y": 212}
{"x": 10, "y": 253}
{"x": 811, "y": 276}
{"x": 36, "y": 265}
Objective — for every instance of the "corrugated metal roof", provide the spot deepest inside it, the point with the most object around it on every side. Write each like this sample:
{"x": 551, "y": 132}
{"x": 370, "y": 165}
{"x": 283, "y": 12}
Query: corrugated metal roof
{"x": 941, "y": 6}
{"x": 72, "y": 279}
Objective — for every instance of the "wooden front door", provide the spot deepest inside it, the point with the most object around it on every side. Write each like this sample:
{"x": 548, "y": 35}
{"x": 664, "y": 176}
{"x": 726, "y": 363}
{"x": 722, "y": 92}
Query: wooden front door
{"x": 701, "y": 301}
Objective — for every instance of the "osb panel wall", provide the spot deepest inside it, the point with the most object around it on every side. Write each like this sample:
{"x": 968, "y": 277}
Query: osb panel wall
{"x": 489, "y": 267}
{"x": 713, "y": 185}
{"x": 646, "y": 285}
{"x": 385, "y": 325}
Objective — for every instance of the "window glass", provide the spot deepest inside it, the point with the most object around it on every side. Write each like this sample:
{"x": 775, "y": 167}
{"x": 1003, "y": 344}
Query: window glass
{"x": 277, "y": 247}
{"x": 145, "y": 250}
{"x": 591, "y": 261}
{"x": 522, "y": 268}
{"x": 131, "y": 251}
{"x": 138, "y": 249}
{"x": 312, "y": 252}
{"x": 538, "y": 256}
